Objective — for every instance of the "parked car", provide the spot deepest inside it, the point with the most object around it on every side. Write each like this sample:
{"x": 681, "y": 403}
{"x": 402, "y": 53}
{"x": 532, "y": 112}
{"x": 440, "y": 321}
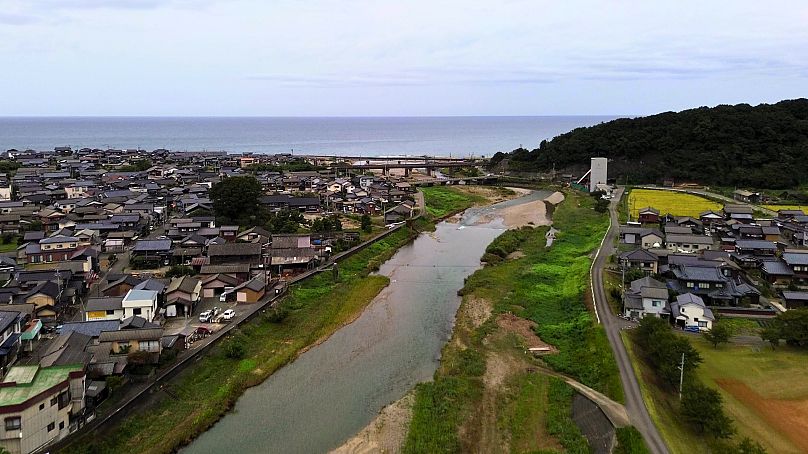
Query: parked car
{"x": 206, "y": 316}
{"x": 225, "y": 294}
{"x": 228, "y": 315}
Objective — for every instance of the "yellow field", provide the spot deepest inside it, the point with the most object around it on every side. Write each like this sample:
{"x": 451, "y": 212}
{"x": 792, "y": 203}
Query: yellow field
{"x": 764, "y": 391}
{"x": 667, "y": 202}
{"x": 804, "y": 208}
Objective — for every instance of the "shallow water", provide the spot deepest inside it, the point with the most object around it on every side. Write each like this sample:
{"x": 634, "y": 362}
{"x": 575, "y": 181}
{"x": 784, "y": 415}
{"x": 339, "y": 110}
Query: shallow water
{"x": 335, "y": 389}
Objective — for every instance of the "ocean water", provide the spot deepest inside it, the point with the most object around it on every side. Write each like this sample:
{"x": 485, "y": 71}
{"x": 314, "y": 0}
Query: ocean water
{"x": 360, "y": 136}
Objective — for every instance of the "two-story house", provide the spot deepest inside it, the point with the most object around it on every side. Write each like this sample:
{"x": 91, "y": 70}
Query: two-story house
{"x": 140, "y": 302}
{"x": 646, "y": 297}
{"x": 57, "y": 248}
{"x": 39, "y": 405}
{"x": 689, "y": 311}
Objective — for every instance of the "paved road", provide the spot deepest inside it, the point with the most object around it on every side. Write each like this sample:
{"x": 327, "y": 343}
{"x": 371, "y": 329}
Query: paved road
{"x": 637, "y": 412}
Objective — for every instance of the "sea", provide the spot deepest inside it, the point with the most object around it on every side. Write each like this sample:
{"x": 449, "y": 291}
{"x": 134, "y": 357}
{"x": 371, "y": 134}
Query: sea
{"x": 346, "y": 136}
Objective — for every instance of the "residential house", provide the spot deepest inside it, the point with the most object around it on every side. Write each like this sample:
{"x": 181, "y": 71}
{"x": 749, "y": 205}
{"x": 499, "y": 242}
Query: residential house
{"x": 290, "y": 254}
{"x": 231, "y": 253}
{"x": 251, "y": 291}
{"x": 648, "y": 215}
{"x": 688, "y": 243}
{"x": 798, "y": 263}
{"x": 140, "y": 302}
{"x": 739, "y": 213}
{"x": 745, "y": 196}
{"x": 795, "y": 300}
{"x": 776, "y": 272}
{"x": 646, "y": 297}
{"x": 40, "y": 405}
{"x": 640, "y": 259}
{"x": 53, "y": 249}
{"x": 215, "y": 284}
{"x": 104, "y": 308}
{"x": 125, "y": 341}
{"x": 758, "y": 248}
{"x": 10, "y": 334}
{"x": 689, "y": 311}
{"x": 181, "y": 296}
{"x": 640, "y": 236}
{"x": 154, "y": 252}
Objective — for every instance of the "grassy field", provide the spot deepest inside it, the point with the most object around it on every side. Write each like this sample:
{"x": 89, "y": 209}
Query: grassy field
{"x": 8, "y": 247}
{"x": 804, "y": 208}
{"x": 202, "y": 393}
{"x": 765, "y": 391}
{"x": 675, "y": 203}
{"x": 527, "y": 412}
{"x": 445, "y": 200}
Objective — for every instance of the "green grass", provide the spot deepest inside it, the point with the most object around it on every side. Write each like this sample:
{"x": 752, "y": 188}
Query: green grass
{"x": 546, "y": 286}
{"x": 205, "y": 391}
{"x": 525, "y": 411}
{"x": 630, "y": 441}
{"x": 777, "y": 376}
{"x": 559, "y": 418}
{"x": 670, "y": 202}
{"x": 442, "y": 201}
{"x": 9, "y": 247}
{"x": 741, "y": 326}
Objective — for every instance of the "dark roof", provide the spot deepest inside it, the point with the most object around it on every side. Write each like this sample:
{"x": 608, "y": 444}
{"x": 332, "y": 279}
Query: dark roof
{"x": 152, "y": 245}
{"x": 794, "y": 258}
{"x": 107, "y": 303}
{"x": 67, "y": 349}
{"x": 777, "y": 268}
{"x": 795, "y": 296}
{"x": 638, "y": 254}
{"x": 137, "y": 322}
{"x": 92, "y": 328}
{"x": 131, "y": 334}
{"x": 225, "y": 269}
{"x": 232, "y": 249}
{"x": 755, "y": 244}
{"x": 7, "y": 318}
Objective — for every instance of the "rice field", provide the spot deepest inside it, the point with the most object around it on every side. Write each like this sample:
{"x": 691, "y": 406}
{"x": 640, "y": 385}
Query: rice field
{"x": 804, "y": 208}
{"x": 668, "y": 202}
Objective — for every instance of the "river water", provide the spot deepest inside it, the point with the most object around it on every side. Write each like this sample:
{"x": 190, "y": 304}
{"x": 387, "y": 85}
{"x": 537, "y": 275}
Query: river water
{"x": 335, "y": 389}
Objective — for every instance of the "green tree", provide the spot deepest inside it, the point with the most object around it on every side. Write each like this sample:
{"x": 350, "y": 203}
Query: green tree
{"x": 719, "y": 334}
{"x": 366, "y": 223}
{"x": 701, "y": 407}
{"x": 772, "y": 335}
{"x": 235, "y": 199}
{"x": 792, "y": 325}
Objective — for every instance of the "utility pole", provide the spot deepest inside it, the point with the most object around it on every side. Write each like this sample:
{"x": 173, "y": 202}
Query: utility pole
{"x": 681, "y": 376}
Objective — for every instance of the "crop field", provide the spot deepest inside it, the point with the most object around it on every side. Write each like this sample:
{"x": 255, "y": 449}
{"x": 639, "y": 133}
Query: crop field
{"x": 668, "y": 202}
{"x": 804, "y": 208}
{"x": 764, "y": 391}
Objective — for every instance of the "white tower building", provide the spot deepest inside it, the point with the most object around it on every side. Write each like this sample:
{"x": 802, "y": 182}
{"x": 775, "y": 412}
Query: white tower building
{"x": 597, "y": 173}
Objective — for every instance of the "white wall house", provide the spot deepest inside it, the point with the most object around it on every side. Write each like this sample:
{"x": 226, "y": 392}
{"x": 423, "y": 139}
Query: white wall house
{"x": 689, "y": 311}
{"x": 140, "y": 302}
{"x": 646, "y": 297}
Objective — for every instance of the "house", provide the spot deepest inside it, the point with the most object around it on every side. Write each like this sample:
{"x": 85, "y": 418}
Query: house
{"x": 67, "y": 349}
{"x": 785, "y": 215}
{"x": 648, "y": 215}
{"x": 40, "y": 405}
{"x": 154, "y": 252}
{"x": 58, "y": 248}
{"x": 646, "y": 297}
{"x": 740, "y": 213}
{"x": 45, "y": 296}
{"x": 795, "y": 300}
{"x": 711, "y": 281}
{"x": 756, "y": 247}
{"x": 776, "y": 272}
{"x": 125, "y": 341}
{"x": 140, "y": 302}
{"x": 121, "y": 285}
{"x": 798, "y": 263}
{"x": 399, "y": 213}
{"x": 709, "y": 217}
{"x": 215, "y": 284}
{"x": 640, "y": 236}
{"x": 742, "y": 195}
{"x": 181, "y": 296}
{"x": 10, "y": 333}
{"x": 232, "y": 253}
{"x": 291, "y": 254}
{"x": 689, "y": 311}
{"x": 688, "y": 243}
{"x": 251, "y": 291}
{"x": 640, "y": 259}
{"x": 104, "y": 308}
{"x": 771, "y": 233}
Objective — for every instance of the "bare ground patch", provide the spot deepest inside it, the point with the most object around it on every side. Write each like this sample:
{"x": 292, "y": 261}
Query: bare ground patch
{"x": 524, "y": 330}
{"x": 788, "y": 417}
{"x": 386, "y": 433}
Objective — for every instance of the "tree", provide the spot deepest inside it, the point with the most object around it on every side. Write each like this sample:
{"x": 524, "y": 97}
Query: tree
{"x": 792, "y": 326}
{"x": 771, "y": 335}
{"x": 663, "y": 350}
{"x": 701, "y": 407}
{"x": 719, "y": 334}
{"x": 235, "y": 199}
{"x": 366, "y": 223}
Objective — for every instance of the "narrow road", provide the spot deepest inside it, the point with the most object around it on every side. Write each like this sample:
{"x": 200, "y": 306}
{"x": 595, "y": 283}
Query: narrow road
{"x": 637, "y": 412}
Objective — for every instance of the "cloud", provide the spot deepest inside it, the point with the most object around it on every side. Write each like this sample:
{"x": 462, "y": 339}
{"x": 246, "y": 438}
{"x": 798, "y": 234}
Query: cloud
{"x": 17, "y": 19}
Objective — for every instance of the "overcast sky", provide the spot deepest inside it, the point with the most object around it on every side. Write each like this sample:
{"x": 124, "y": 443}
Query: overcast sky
{"x": 424, "y": 57}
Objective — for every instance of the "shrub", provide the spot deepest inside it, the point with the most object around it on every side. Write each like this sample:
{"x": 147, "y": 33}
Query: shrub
{"x": 490, "y": 258}
{"x": 235, "y": 348}
{"x": 276, "y": 315}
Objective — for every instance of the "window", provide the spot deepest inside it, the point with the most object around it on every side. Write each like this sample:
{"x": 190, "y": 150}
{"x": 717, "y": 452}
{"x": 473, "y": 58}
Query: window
{"x": 655, "y": 303}
{"x": 50, "y": 258}
{"x": 13, "y": 423}
{"x": 51, "y": 426}
{"x": 149, "y": 346}
{"x": 703, "y": 324}
{"x": 61, "y": 425}
{"x": 54, "y": 401}
{"x": 137, "y": 311}
{"x": 41, "y": 406}
{"x": 690, "y": 284}
{"x": 64, "y": 399}
{"x": 110, "y": 312}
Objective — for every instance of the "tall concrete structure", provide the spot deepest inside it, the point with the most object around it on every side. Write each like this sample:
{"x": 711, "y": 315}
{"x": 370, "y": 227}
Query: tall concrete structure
{"x": 597, "y": 173}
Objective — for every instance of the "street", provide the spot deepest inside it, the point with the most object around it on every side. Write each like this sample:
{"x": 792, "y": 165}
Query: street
{"x": 638, "y": 413}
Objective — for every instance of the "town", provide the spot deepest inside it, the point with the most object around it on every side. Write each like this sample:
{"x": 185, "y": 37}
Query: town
{"x": 114, "y": 262}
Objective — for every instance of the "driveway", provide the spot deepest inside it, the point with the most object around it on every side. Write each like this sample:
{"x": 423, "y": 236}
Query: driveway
{"x": 637, "y": 412}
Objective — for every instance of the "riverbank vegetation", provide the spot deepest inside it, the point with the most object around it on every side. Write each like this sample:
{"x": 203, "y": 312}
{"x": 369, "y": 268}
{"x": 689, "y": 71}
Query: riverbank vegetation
{"x": 484, "y": 370}
{"x": 443, "y": 201}
{"x": 203, "y": 392}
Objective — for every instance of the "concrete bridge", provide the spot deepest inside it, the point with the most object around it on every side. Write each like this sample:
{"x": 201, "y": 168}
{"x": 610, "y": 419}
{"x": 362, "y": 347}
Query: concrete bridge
{"x": 487, "y": 180}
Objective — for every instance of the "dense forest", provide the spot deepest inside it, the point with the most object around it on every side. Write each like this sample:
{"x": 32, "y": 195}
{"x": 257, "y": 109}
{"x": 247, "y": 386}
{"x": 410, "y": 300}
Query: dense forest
{"x": 765, "y": 146}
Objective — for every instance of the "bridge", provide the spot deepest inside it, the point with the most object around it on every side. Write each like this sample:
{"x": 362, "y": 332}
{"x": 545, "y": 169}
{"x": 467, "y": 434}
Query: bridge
{"x": 487, "y": 180}
{"x": 429, "y": 166}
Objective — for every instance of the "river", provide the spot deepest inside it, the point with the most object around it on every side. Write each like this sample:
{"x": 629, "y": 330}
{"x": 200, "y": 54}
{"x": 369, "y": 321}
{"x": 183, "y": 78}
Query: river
{"x": 335, "y": 389}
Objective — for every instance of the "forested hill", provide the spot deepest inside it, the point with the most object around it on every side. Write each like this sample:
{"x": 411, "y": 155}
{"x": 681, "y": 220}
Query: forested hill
{"x": 762, "y": 147}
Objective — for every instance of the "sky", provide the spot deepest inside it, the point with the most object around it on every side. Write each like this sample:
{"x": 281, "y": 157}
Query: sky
{"x": 396, "y": 58}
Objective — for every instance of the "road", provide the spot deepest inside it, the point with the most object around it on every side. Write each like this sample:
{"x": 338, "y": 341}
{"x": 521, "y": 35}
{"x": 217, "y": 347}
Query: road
{"x": 637, "y": 412}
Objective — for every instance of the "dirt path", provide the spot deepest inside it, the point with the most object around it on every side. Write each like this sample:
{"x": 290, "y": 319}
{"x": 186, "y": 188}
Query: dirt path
{"x": 386, "y": 433}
